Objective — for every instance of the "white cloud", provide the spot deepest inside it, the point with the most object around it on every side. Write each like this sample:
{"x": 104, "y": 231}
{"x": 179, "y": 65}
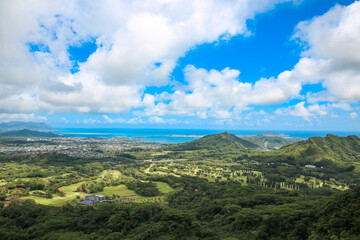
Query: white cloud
{"x": 322, "y": 96}
{"x": 324, "y": 61}
{"x": 332, "y": 55}
{"x": 308, "y": 113}
{"x": 301, "y": 111}
{"x": 221, "y": 94}
{"x": 156, "y": 119}
{"x": 342, "y": 106}
{"x": 138, "y": 46}
{"x": 317, "y": 109}
{"x": 223, "y": 122}
{"x": 159, "y": 120}
{"x": 135, "y": 121}
{"x": 91, "y": 121}
{"x": 107, "y": 119}
{"x": 353, "y": 115}
{"x": 255, "y": 113}
{"x": 7, "y": 117}
{"x": 64, "y": 120}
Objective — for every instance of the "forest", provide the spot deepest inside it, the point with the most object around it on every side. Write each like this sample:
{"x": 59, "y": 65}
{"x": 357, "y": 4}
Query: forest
{"x": 216, "y": 187}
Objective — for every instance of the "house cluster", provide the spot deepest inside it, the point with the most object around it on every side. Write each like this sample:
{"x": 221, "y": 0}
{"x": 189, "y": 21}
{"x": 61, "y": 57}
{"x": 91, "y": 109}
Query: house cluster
{"x": 75, "y": 147}
{"x": 95, "y": 199}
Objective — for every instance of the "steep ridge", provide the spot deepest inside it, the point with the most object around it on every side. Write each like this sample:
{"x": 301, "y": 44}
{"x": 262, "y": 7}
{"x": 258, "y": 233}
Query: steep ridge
{"x": 215, "y": 141}
{"x": 337, "y": 149}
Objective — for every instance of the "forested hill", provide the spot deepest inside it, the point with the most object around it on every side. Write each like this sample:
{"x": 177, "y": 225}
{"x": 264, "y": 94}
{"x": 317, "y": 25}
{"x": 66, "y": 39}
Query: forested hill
{"x": 27, "y": 133}
{"x": 17, "y": 125}
{"x": 338, "y": 149}
{"x": 215, "y": 141}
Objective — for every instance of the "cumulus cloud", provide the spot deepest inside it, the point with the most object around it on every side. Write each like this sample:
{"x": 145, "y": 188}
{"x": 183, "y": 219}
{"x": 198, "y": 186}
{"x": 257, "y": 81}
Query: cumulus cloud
{"x": 107, "y": 119}
{"x": 156, "y": 119}
{"x": 138, "y": 46}
{"x": 301, "y": 111}
{"x": 332, "y": 52}
{"x": 330, "y": 57}
{"x": 221, "y": 94}
{"x": 159, "y": 120}
{"x": 7, "y": 117}
{"x": 342, "y": 106}
{"x": 353, "y": 115}
{"x": 306, "y": 112}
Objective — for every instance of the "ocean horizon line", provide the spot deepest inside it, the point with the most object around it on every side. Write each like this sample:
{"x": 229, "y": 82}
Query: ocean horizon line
{"x": 173, "y": 135}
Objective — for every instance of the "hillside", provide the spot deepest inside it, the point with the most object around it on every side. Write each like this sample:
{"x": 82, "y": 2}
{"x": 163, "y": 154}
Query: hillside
{"x": 27, "y": 133}
{"x": 17, "y": 125}
{"x": 215, "y": 141}
{"x": 271, "y": 142}
{"x": 337, "y": 149}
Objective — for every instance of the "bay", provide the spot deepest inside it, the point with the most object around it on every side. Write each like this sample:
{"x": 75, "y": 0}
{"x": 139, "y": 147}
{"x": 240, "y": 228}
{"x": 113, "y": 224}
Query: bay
{"x": 171, "y": 136}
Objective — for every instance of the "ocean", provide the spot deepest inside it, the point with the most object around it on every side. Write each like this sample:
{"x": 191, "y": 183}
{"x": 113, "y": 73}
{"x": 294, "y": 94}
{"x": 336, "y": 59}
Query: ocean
{"x": 180, "y": 135}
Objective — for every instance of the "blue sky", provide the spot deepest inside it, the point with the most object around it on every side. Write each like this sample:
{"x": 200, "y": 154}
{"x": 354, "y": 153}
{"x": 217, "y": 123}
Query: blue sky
{"x": 266, "y": 64}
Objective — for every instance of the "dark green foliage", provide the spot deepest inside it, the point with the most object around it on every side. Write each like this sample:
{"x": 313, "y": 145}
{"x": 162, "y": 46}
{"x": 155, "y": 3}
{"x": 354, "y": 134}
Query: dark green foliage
{"x": 340, "y": 217}
{"x": 226, "y": 207}
{"x": 92, "y": 187}
{"x": 42, "y": 194}
{"x": 143, "y": 188}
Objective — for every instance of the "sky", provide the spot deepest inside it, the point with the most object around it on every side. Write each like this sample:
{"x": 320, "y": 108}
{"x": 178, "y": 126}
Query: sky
{"x": 210, "y": 64}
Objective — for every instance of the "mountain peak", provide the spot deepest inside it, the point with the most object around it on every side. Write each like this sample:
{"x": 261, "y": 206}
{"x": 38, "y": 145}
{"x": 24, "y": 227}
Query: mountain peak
{"x": 216, "y": 141}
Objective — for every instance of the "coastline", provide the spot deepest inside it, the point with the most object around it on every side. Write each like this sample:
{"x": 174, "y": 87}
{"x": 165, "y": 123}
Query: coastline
{"x": 171, "y": 136}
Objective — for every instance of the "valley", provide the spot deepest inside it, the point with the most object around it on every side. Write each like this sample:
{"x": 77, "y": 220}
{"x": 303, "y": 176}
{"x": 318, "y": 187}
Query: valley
{"x": 216, "y": 187}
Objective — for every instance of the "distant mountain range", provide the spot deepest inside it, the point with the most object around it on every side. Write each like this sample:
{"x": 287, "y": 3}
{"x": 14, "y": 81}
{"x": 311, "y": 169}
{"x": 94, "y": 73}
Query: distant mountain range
{"x": 272, "y": 134}
{"x": 17, "y": 125}
{"x": 27, "y": 133}
{"x": 226, "y": 140}
{"x": 269, "y": 141}
{"x": 341, "y": 153}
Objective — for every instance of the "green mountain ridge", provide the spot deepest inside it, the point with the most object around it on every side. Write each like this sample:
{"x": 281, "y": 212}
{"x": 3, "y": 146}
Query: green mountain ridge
{"x": 18, "y": 125}
{"x": 27, "y": 133}
{"x": 215, "y": 141}
{"x": 331, "y": 147}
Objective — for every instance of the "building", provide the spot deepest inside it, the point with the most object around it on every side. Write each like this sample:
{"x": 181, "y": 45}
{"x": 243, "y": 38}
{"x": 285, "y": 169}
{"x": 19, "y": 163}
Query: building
{"x": 95, "y": 199}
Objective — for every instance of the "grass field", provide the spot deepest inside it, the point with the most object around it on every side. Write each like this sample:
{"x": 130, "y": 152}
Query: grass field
{"x": 120, "y": 190}
{"x": 164, "y": 188}
{"x": 57, "y": 200}
{"x": 113, "y": 173}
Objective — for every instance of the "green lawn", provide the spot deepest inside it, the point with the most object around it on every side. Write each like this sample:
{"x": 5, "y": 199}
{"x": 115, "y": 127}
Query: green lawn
{"x": 113, "y": 173}
{"x": 120, "y": 190}
{"x": 57, "y": 200}
{"x": 164, "y": 187}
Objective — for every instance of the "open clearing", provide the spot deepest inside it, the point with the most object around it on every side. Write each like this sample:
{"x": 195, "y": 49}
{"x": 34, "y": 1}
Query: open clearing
{"x": 120, "y": 190}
